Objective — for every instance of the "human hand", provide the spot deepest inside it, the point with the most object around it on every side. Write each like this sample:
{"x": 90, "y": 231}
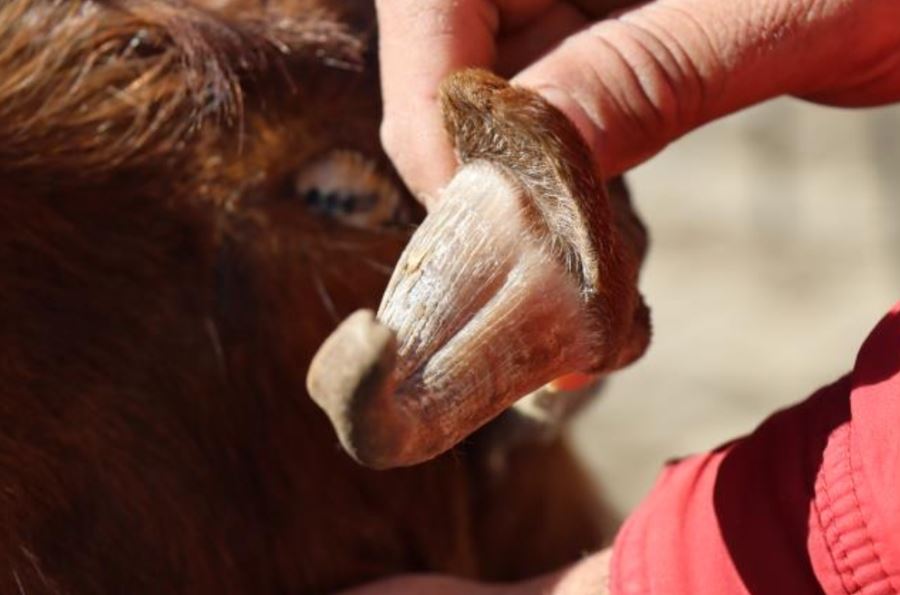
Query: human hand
{"x": 589, "y": 576}
{"x": 636, "y": 81}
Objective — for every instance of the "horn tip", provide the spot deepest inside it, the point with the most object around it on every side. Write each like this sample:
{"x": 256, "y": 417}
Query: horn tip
{"x": 351, "y": 379}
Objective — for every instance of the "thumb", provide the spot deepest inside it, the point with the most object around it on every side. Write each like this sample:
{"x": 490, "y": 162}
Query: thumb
{"x": 634, "y": 83}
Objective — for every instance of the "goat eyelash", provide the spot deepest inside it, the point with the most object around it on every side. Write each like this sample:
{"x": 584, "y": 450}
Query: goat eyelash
{"x": 348, "y": 187}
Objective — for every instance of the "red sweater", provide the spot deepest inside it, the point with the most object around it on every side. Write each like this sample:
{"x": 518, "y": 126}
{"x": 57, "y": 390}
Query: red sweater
{"x": 808, "y": 503}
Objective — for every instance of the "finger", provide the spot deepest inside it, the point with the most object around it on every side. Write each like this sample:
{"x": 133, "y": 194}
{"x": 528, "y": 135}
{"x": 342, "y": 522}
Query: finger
{"x": 420, "y": 42}
{"x": 634, "y": 83}
{"x": 588, "y": 576}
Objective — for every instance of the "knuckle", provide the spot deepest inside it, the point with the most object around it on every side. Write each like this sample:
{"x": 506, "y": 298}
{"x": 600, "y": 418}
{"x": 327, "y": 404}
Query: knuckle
{"x": 649, "y": 83}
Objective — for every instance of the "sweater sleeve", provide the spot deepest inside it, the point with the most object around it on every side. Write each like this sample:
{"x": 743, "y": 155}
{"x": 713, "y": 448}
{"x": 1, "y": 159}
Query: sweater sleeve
{"x": 807, "y": 503}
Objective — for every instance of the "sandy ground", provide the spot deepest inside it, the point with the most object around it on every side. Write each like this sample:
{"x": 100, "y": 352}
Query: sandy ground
{"x": 775, "y": 248}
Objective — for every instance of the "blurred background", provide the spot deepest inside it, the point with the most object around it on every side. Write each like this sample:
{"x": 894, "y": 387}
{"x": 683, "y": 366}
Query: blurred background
{"x": 775, "y": 248}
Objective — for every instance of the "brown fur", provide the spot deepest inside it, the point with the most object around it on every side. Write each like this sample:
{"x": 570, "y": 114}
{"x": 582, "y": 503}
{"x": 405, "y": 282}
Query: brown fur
{"x": 160, "y": 297}
{"x": 599, "y": 239}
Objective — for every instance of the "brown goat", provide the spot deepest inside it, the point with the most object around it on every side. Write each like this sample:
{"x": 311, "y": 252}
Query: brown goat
{"x": 191, "y": 196}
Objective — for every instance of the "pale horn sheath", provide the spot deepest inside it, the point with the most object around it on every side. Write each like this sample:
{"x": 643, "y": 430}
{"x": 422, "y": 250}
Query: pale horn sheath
{"x": 524, "y": 272}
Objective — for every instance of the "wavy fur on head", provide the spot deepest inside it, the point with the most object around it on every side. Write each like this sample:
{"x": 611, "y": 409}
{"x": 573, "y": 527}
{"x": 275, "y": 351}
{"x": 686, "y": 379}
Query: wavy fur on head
{"x": 91, "y": 85}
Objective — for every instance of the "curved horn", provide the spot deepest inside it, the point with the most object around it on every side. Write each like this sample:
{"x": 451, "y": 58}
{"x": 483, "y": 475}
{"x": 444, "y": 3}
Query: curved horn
{"x": 524, "y": 272}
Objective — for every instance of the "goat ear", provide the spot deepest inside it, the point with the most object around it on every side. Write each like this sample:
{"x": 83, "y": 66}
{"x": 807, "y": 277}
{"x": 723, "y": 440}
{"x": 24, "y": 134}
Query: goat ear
{"x": 524, "y": 272}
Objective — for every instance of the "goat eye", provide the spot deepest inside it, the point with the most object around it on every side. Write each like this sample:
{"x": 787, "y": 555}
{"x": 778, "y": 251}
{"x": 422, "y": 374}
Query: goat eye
{"x": 348, "y": 187}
